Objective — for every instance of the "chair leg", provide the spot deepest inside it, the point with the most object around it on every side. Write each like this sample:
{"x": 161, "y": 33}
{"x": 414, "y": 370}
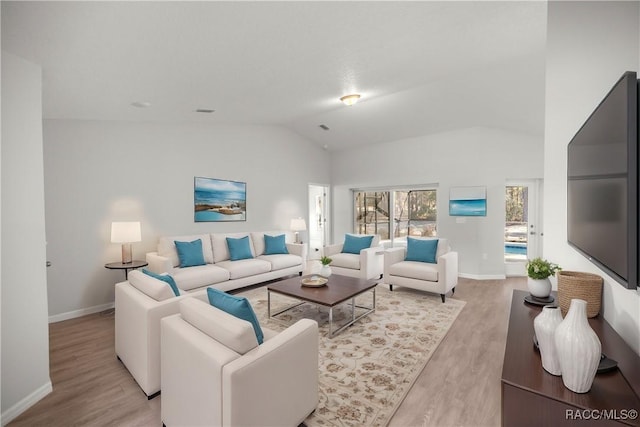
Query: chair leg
{"x": 381, "y": 275}
{"x": 453, "y": 290}
{"x": 391, "y": 287}
{"x": 442, "y": 296}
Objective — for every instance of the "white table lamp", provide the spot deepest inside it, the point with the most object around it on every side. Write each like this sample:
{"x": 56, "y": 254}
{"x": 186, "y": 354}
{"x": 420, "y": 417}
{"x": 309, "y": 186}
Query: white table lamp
{"x": 126, "y": 233}
{"x": 298, "y": 224}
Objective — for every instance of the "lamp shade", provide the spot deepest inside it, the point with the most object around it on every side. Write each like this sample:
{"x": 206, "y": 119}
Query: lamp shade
{"x": 125, "y": 232}
{"x": 298, "y": 224}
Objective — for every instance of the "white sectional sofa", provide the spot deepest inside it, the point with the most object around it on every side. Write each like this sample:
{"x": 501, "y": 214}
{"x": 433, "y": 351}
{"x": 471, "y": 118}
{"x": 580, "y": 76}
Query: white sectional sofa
{"x": 142, "y": 301}
{"x": 219, "y": 271}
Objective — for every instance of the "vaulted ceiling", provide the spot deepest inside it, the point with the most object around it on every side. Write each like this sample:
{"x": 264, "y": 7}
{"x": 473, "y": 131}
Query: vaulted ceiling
{"x": 421, "y": 67}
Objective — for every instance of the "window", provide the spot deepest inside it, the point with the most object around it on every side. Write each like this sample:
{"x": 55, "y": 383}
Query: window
{"x": 372, "y": 213}
{"x": 414, "y": 213}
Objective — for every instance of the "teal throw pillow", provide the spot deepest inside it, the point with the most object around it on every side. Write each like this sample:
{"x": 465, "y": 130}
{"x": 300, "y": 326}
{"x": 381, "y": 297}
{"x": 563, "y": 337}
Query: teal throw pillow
{"x": 353, "y": 244}
{"x": 190, "y": 253}
{"x": 422, "y": 250}
{"x": 239, "y": 248}
{"x": 165, "y": 278}
{"x": 274, "y": 245}
{"x": 236, "y": 306}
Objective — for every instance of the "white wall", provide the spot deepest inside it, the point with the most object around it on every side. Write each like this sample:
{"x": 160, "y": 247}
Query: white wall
{"x": 99, "y": 172}
{"x": 25, "y": 333}
{"x": 467, "y": 157}
{"x": 589, "y": 46}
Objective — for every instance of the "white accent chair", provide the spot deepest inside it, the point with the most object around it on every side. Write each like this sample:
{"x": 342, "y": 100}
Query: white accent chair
{"x": 139, "y": 308}
{"x": 214, "y": 373}
{"x": 366, "y": 265}
{"x": 440, "y": 278}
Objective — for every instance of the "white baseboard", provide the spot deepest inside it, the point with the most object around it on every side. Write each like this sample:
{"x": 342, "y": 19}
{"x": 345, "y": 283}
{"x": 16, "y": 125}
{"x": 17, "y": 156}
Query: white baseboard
{"x": 483, "y": 276}
{"x": 78, "y": 313}
{"x": 26, "y": 403}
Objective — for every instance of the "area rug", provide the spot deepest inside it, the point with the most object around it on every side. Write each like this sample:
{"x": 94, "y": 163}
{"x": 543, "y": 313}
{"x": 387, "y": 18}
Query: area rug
{"x": 366, "y": 371}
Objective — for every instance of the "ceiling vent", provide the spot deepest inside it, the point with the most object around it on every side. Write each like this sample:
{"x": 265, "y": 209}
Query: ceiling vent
{"x": 205, "y": 110}
{"x": 323, "y": 127}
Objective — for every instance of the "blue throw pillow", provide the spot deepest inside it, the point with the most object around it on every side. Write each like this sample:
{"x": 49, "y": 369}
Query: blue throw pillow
{"x": 274, "y": 245}
{"x": 236, "y": 306}
{"x": 353, "y": 244}
{"x": 422, "y": 250}
{"x": 239, "y": 248}
{"x": 190, "y": 253}
{"x": 165, "y": 278}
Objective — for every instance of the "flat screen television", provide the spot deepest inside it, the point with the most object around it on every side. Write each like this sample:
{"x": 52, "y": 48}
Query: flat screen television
{"x": 602, "y": 184}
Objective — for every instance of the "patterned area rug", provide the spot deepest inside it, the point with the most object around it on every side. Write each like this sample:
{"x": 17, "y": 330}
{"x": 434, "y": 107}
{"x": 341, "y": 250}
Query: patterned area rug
{"x": 366, "y": 371}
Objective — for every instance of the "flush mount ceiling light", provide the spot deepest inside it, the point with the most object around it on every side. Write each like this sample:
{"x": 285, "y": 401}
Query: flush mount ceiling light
{"x": 350, "y": 99}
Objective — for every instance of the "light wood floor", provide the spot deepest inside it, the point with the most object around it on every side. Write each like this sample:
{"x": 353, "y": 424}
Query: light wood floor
{"x": 460, "y": 386}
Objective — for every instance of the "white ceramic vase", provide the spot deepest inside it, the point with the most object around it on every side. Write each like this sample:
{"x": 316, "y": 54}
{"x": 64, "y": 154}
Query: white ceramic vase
{"x": 545, "y": 325}
{"x": 540, "y": 288}
{"x": 325, "y": 271}
{"x": 578, "y": 348}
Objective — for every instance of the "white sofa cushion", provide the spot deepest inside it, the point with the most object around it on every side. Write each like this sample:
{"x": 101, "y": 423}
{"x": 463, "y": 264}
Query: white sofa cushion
{"x": 245, "y": 267}
{"x": 167, "y": 247}
{"x": 220, "y": 248}
{"x": 199, "y": 276}
{"x": 237, "y": 334}
{"x": 346, "y": 260}
{"x": 278, "y": 262}
{"x": 150, "y": 286}
{"x": 415, "y": 270}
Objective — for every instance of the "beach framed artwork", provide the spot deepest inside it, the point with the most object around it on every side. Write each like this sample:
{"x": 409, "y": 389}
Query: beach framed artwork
{"x": 468, "y": 201}
{"x": 219, "y": 200}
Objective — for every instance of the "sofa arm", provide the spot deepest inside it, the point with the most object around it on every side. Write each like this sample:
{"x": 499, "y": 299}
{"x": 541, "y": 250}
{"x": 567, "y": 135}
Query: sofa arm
{"x": 448, "y": 270}
{"x": 393, "y": 256}
{"x": 371, "y": 262}
{"x": 300, "y": 249}
{"x": 332, "y": 249}
{"x": 158, "y": 264}
{"x": 289, "y": 359}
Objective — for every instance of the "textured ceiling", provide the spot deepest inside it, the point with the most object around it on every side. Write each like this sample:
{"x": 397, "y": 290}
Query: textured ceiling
{"x": 421, "y": 67}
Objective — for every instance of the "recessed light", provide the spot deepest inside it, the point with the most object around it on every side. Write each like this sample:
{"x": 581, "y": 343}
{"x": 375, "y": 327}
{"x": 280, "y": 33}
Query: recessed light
{"x": 141, "y": 104}
{"x": 350, "y": 99}
{"x": 205, "y": 110}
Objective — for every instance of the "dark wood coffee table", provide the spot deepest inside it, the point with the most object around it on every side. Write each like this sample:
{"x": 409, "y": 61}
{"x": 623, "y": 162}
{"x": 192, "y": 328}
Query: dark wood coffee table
{"x": 338, "y": 290}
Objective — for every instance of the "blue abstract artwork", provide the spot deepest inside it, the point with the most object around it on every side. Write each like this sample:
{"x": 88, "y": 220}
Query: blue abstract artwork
{"x": 468, "y": 201}
{"x": 219, "y": 200}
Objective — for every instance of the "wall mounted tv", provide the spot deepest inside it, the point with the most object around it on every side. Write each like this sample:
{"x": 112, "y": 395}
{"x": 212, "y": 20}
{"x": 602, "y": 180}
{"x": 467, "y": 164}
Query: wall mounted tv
{"x": 602, "y": 184}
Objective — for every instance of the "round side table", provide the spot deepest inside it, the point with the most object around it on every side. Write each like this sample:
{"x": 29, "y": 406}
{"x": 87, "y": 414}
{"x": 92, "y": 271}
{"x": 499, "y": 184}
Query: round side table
{"x": 126, "y": 267}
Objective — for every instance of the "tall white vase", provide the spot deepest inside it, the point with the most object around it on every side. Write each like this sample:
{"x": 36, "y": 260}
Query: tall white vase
{"x": 545, "y": 325}
{"x": 578, "y": 348}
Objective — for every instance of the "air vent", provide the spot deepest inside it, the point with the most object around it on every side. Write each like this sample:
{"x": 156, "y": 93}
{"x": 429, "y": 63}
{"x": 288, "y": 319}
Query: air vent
{"x": 323, "y": 127}
{"x": 205, "y": 110}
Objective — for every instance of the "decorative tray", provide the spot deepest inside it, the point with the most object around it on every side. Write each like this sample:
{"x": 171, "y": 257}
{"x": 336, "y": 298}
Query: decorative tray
{"x": 314, "y": 281}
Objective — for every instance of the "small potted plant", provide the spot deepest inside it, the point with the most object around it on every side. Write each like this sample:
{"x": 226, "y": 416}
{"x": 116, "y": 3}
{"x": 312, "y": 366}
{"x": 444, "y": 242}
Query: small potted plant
{"x": 325, "y": 270}
{"x": 538, "y": 272}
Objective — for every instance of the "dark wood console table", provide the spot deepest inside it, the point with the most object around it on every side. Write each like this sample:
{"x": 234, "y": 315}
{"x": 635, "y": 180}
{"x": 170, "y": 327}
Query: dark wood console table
{"x": 533, "y": 397}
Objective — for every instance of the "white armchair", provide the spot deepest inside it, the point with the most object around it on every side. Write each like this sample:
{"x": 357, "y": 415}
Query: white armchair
{"x": 137, "y": 329}
{"x": 214, "y": 372}
{"x": 368, "y": 264}
{"x": 440, "y": 277}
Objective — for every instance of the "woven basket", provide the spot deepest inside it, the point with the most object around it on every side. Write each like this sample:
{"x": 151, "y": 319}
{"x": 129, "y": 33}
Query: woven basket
{"x": 577, "y": 285}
